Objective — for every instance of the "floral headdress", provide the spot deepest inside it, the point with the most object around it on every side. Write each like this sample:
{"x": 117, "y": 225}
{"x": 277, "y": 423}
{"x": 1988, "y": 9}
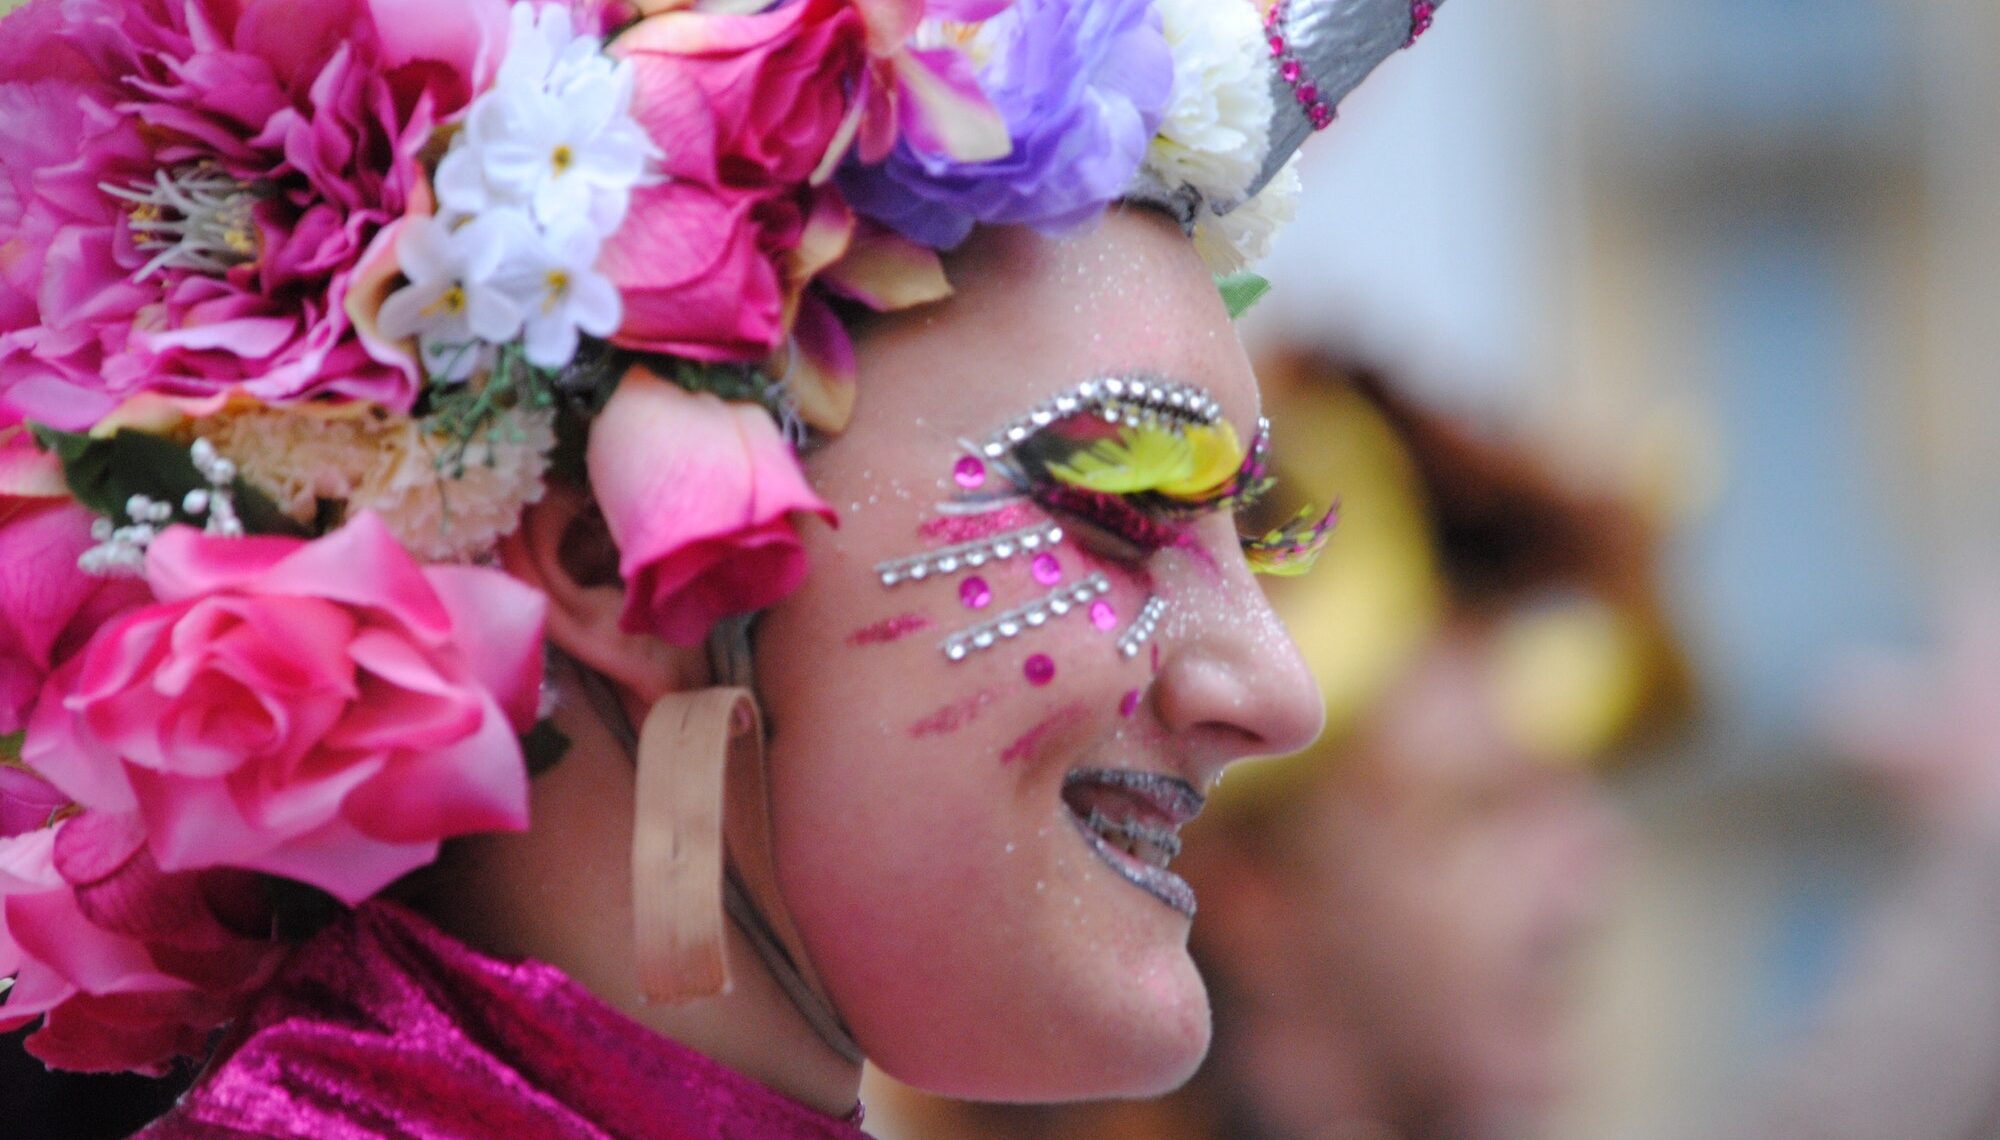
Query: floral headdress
{"x": 300, "y": 304}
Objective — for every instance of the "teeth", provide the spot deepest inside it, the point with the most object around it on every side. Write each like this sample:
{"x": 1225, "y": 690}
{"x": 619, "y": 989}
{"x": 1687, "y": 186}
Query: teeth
{"x": 1155, "y": 845}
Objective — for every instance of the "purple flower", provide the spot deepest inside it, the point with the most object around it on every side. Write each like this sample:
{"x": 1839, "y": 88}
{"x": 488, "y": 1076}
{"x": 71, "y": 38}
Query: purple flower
{"x": 1082, "y": 86}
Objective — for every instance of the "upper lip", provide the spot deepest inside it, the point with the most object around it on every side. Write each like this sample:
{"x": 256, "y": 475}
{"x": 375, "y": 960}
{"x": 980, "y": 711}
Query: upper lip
{"x": 1173, "y": 799}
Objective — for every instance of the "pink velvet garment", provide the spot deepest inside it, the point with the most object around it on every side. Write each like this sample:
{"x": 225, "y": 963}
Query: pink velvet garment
{"x": 383, "y": 1026}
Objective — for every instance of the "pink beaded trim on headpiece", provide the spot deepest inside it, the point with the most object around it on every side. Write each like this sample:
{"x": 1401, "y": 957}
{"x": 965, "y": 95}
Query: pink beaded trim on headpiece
{"x": 1293, "y": 70}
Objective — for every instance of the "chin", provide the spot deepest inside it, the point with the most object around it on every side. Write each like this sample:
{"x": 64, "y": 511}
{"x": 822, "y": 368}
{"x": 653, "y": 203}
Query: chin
{"x": 1143, "y": 1043}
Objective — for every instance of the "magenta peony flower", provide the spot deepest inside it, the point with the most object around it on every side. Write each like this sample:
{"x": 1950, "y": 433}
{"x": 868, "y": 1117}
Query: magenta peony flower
{"x": 48, "y": 607}
{"x": 326, "y": 711}
{"x": 699, "y": 495}
{"x": 188, "y": 186}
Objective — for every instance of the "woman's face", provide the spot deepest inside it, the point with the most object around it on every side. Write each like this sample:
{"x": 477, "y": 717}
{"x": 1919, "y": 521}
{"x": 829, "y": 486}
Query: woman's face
{"x": 931, "y": 815}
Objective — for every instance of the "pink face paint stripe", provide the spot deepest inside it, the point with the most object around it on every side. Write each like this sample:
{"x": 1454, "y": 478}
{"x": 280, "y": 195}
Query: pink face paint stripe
{"x": 1025, "y": 744}
{"x": 953, "y": 716}
{"x": 889, "y": 629}
{"x": 950, "y": 530}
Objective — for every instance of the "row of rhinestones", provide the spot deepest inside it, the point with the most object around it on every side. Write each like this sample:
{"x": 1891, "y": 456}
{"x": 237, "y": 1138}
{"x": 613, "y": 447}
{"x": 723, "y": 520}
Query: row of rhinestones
{"x": 966, "y": 555}
{"x": 1117, "y": 399}
{"x": 1142, "y": 627}
{"x": 1017, "y": 621}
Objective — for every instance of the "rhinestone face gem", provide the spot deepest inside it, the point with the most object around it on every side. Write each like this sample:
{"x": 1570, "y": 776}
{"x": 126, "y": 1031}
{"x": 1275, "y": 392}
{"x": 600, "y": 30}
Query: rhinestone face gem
{"x": 1039, "y": 669}
{"x": 975, "y": 593}
{"x": 1047, "y": 569}
{"x": 1104, "y": 616}
{"x": 969, "y": 473}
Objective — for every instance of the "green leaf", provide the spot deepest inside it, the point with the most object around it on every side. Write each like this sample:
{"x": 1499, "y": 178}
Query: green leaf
{"x": 104, "y": 474}
{"x": 1241, "y": 290}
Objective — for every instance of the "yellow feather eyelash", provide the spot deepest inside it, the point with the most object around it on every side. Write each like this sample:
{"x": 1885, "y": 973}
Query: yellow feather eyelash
{"x": 1179, "y": 462}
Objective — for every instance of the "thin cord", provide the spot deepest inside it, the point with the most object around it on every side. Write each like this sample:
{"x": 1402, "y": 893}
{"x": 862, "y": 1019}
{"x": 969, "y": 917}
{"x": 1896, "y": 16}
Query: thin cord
{"x": 731, "y": 663}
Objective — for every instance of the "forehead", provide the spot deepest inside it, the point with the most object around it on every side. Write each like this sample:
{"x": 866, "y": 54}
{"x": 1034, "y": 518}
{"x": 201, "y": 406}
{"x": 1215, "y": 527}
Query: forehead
{"x": 1032, "y": 317}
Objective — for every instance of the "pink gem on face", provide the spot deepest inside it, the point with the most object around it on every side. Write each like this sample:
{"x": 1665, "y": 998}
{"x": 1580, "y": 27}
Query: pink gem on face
{"x": 1104, "y": 615}
{"x": 1047, "y": 570}
{"x": 1130, "y": 704}
{"x": 1040, "y": 670}
{"x": 969, "y": 473}
{"x": 975, "y": 593}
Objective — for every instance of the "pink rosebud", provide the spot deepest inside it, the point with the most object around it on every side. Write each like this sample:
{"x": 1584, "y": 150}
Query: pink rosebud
{"x": 698, "y": 494}
{"x": 327, "y": 711}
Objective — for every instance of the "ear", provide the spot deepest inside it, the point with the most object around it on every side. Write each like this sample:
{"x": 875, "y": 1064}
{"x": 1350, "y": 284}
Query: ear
{"x": 564, "y": 549}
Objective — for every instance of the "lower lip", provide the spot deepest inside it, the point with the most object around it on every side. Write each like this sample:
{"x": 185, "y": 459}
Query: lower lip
{"x": 1162, "y": 884}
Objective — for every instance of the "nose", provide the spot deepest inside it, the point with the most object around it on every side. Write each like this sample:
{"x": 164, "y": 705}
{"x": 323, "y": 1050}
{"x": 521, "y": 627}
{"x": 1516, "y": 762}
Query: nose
{"x": 1232, "y": 684}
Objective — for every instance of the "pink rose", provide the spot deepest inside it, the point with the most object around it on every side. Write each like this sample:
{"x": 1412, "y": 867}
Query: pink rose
{"x": 699, "y": 495}
{"x": 48, "y": 607}
{"x": 326, "y": 711}
{"x": 27, "y": 802}
{"x": 746, "y": 109}
{"x": 130, "y": 967}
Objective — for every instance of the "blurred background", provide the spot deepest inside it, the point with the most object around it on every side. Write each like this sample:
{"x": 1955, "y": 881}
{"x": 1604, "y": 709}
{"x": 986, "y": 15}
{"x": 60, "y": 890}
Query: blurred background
{"x": 1746, "y": 259}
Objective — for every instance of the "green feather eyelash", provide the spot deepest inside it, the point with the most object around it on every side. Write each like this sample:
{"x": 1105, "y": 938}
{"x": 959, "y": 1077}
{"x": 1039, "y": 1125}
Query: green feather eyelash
{"x": 1291, "y": 550}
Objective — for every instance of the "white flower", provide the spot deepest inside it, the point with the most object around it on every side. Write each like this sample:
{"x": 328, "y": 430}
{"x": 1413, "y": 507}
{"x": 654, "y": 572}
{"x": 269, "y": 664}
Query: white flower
{"x": 365, "y": 459}
{"x": 452, "y": 304}
{"x": 555, "y": 134}
{"x": 556, "y": 282}
{"x": 543, "y": 49}
{"x": 1230, "y": 242}
{"x": 1218, "y": 126}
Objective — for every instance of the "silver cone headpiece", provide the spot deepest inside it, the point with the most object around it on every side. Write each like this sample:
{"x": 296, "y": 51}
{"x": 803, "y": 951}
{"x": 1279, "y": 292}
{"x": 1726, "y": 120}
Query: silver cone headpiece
{"x": 1320, "y": 51}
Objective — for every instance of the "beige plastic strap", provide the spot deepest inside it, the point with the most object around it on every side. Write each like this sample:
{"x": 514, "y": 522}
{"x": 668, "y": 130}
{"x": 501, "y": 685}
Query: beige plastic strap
{"x": 687, "y": 747}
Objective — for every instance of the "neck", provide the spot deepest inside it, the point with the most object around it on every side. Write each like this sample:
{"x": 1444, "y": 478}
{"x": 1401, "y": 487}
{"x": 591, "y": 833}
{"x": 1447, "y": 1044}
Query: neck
{"x": 562, "y": 894}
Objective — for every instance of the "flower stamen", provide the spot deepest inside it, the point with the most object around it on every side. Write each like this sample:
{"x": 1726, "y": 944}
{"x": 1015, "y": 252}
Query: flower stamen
{"x": 555, "y": 286}
{"x": 195, "y": 220}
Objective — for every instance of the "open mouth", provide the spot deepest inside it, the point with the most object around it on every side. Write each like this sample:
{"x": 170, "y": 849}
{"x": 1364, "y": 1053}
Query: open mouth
{"x": 1132, "y": 821}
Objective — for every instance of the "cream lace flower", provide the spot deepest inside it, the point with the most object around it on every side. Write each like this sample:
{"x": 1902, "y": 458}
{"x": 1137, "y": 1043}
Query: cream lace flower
{"x": 1234, "y": 241}
{"x": 1217, "y": 129}
{"x": 370, "y": 460}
